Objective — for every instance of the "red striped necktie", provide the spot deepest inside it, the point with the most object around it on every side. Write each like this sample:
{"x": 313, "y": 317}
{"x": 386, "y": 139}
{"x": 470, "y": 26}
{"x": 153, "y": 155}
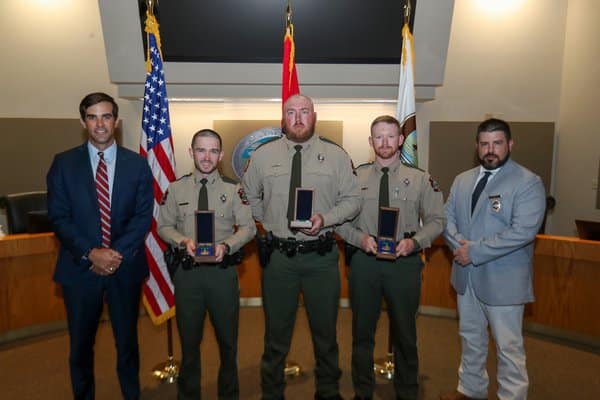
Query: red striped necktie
{"x": 103, "y": 199}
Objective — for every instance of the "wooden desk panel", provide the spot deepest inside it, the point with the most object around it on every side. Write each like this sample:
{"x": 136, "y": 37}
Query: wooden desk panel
{"x": 566, "y": 282}
{"x": 28, "y": 295}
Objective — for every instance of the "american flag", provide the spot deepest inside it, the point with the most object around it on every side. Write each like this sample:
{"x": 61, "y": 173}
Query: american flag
{"x": 156, "y": 145}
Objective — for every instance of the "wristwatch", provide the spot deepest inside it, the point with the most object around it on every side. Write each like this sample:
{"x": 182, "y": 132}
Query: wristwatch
{"x": 86, "y": 255}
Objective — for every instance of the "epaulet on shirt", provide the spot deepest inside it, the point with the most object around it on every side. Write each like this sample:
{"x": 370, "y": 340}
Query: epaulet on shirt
{"x": 330, "y": 142}
{"x": 409, "y": 165}
{"x": 227, "y": 179}
{"x": 184, "y": 176}
{"x": 272, "y": 139}
{"x": 365, "y": 164}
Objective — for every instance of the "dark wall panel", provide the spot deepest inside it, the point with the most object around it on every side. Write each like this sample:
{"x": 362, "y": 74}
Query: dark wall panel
{"x": 452, "y": 149}
{"x": 28, "y": 147}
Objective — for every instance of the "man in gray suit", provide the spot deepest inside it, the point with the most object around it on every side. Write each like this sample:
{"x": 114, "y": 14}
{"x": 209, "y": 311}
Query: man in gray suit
{"x": 494, "y": 212}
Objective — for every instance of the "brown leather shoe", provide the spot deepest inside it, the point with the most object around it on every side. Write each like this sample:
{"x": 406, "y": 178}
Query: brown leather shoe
{"x": 456, "y": 395}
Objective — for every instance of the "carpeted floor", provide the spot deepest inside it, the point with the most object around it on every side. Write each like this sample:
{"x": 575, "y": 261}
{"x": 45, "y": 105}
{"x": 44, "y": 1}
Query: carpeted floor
{"x": 37, "y": 368}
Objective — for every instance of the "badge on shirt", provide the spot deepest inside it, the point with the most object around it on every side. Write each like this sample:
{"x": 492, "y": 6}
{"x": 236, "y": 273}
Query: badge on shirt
{"x": 496, "y": 202}
{"x": 223, "y": 198}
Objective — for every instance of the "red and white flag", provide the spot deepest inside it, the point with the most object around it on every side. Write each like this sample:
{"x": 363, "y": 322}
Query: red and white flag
{"x": 289, "y": 85}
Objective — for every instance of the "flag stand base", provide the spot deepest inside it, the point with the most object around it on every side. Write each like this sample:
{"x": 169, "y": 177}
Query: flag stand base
{"x": 292, "y": 369}
{"x": 384, "y": 368}
{"x": 167, "y": 371}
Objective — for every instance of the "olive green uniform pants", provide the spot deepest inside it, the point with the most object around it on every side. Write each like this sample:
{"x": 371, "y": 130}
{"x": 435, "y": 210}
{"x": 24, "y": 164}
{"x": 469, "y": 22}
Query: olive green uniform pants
{"x": 197, "y": 291}
{"x": 283, "y": 279}
{"x": 399, "y": 283}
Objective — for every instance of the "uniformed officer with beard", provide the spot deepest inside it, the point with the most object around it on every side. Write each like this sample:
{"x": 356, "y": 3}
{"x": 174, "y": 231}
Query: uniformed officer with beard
{"x": 398, "y": 281}
{"x": 212, "y": 287}
{"x": 306, "y": 259}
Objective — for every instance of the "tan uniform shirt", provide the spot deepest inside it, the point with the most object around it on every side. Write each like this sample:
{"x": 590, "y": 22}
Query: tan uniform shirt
{"x": 227, "y": 199}
{"x": 326, "y": 168}
{"x": 412, "y": 191}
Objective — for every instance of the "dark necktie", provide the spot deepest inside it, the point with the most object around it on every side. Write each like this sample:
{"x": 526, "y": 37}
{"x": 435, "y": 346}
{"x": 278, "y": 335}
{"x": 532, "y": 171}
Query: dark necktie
{"x": 103, "y": 199}
{"x": 203, "y": 196}
{"x": 295, "y": 180}
{"x": 478, "y": 189}
{"x": 384, "y": 188}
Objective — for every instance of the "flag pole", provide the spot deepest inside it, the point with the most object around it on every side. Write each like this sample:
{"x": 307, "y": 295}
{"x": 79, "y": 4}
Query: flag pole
{"x": 384, "y": 367}
{"x": 168, "y": 370}
{"x": 291, "y": 368}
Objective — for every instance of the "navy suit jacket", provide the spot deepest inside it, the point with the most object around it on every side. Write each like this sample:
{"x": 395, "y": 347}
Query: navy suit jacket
{"x": 500, "y": 233}
{"x": 73, "y": 211}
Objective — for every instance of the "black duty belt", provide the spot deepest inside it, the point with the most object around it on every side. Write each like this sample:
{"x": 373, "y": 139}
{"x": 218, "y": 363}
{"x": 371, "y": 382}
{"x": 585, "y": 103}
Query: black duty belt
{"x": 228, "y": 261}
{"x": 291, "y": 246}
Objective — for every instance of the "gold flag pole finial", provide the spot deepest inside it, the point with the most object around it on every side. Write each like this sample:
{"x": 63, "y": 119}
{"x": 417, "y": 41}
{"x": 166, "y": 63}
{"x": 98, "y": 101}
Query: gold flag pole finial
{"x": 407, "y": 11}
{"x": 288, "y": 11}
{"x": 150, "y": 6}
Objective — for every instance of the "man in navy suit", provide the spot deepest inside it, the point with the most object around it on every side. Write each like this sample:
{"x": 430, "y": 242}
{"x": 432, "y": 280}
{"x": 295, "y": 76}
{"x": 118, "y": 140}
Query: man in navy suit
{"x": 494, "y": 212}
{"x": 100, "y": 204}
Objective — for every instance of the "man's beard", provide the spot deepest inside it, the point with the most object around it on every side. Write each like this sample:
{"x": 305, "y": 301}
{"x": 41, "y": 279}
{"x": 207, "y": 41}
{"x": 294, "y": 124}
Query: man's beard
{"x": 212, "y": 168}
{"x": 488, "y": 165}
{"x": 295, "y": 136}
{"x": 387, "y": 153}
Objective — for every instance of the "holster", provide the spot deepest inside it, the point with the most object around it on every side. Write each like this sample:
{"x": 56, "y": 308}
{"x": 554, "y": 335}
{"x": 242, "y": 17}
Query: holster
{"x": 232, "y": 259}
{"x": 177, "y": 257}
{"x": 349, "y": 251}
{"x": 265, "y": 247}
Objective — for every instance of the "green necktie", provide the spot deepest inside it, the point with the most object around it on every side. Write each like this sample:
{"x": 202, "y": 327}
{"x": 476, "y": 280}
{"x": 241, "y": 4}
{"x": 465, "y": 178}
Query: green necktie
{"x": 295, "y": 180}
{"x": 384, "y": 188}
{"x": 203, "y": 196}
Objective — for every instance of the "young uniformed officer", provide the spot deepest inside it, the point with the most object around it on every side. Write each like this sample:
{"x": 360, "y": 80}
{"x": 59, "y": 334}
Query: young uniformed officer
{"x": 302, "y": 260}
{"x": 398, "y": 281}
{"x": 207, "y": 287}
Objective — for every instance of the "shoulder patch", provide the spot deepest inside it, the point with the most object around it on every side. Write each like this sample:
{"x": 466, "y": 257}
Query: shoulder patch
{"x": 164, "y": 198}
{"x": 243, "y": 196}
{"x": 227, "y": 179}
{"x": 434, "y": 185}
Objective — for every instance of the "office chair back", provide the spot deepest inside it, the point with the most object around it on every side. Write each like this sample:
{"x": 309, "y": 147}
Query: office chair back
{"x": 27, "y": 212}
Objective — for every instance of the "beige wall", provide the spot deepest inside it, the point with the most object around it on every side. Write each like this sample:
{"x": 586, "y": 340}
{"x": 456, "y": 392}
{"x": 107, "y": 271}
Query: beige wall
{"x": 509, "y": 65}
{"x": 579, "y": 137}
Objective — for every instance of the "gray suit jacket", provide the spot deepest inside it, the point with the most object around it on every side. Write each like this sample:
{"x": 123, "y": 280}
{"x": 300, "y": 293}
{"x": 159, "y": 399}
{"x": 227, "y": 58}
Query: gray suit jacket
{"x": 500, "y": 233}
